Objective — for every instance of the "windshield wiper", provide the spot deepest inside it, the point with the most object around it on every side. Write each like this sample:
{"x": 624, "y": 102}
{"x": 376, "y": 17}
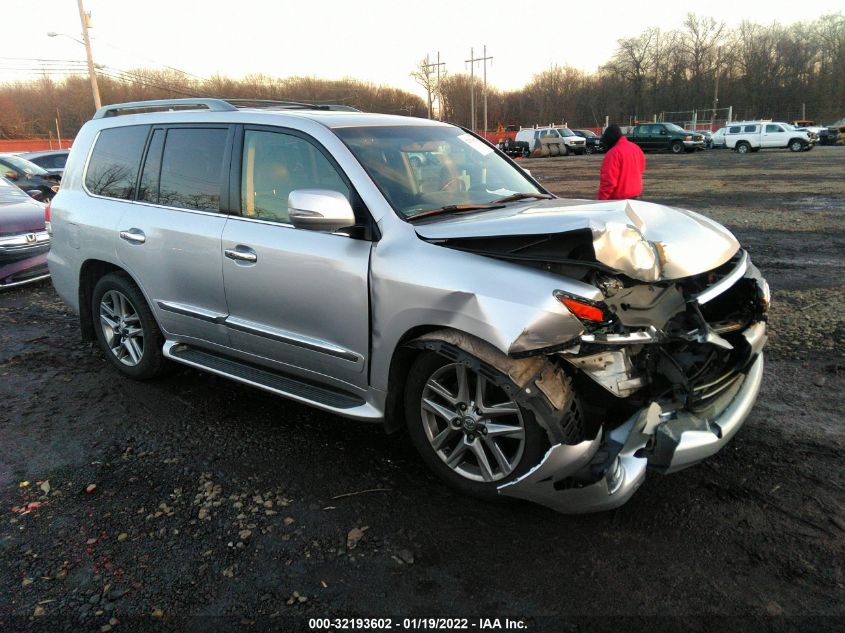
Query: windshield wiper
{"x": 523, "y": 196}
{"x": 453, "y": 208}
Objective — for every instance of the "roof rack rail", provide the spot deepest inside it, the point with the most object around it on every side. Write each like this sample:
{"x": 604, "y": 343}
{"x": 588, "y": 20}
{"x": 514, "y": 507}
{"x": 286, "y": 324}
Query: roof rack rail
{"x": 213, "y": 105}
{"x": 269, "y": 103}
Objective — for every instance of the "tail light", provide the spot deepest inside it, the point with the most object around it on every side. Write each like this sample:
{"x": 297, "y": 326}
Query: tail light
{"x": 47, "y": 217}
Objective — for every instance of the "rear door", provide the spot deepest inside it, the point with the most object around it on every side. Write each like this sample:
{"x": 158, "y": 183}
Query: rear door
{"x": 170, "y": 238}
{"x": 298, "y": 299}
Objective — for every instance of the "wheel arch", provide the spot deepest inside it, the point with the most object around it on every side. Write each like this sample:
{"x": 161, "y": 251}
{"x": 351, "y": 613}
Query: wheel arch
{"x": 400, "y": 364}
{"x": 547, "y": 385}
{"x": 91, "y": 271}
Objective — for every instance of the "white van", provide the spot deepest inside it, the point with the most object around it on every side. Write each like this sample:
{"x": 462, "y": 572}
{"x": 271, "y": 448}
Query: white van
{"x": 549, "y": 141}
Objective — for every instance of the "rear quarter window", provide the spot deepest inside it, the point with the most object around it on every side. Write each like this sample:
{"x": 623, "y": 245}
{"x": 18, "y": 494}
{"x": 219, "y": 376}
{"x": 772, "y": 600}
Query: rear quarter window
{"x": 734, "y": 130}
{"x": 113, "y": 169}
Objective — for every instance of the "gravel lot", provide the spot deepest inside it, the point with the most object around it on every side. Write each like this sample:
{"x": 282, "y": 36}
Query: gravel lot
{"x": 196, "y": 504}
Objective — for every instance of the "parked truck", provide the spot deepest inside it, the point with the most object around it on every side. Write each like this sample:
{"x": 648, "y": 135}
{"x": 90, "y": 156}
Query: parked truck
{"x": 752, "y": 136}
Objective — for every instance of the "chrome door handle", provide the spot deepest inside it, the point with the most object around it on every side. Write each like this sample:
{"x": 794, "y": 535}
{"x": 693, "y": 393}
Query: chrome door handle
{"x": 243, "y": 256}
{"x": 133, "y": 235}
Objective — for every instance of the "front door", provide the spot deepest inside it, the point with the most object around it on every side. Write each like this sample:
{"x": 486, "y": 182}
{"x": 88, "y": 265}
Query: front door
{"x": 774, "y": 135}
{"x": 296, "y": 298}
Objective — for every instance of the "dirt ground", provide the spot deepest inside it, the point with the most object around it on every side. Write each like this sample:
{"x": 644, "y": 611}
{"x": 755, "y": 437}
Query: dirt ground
{"x": 197, "y": 504}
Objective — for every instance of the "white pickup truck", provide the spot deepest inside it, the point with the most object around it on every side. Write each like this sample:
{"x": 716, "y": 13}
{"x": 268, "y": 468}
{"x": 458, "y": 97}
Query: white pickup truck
{"x": 752, "y": 136}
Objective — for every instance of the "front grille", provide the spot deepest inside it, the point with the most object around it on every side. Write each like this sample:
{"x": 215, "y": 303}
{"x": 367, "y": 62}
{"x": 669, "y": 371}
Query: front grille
{"x": 703, "y": 394}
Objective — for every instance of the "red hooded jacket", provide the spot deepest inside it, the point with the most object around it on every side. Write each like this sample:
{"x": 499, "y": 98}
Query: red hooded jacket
{"x": 622, "y": 171}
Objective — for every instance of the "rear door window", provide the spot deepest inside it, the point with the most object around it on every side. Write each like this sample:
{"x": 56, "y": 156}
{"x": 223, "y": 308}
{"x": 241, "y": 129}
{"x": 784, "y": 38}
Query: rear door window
{"x": 191, "y": 168}
{"x": 113, "y": 169}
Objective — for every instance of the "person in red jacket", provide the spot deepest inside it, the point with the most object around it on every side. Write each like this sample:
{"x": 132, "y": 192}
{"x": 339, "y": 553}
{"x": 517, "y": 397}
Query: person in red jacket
{"x": 622, "y": 168}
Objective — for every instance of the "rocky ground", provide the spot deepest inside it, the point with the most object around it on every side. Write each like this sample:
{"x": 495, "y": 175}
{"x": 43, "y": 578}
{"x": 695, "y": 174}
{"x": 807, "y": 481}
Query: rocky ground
{"x": 196, "y": 504}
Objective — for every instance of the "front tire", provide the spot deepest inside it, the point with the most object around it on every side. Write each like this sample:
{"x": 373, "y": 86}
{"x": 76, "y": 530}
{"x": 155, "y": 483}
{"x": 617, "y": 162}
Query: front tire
{"x": 126, "y": 329}
{"x": 796, "y": 146}
{"x": 467, "y": 428}
{"x": 677, "y": 147}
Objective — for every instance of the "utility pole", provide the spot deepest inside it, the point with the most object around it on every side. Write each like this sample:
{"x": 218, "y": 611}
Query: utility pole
{"x": 716, "y": 91}
{"x": 439, "y": 102}
{"x": 85, "y": 17}
{"x": 471, "y": 61}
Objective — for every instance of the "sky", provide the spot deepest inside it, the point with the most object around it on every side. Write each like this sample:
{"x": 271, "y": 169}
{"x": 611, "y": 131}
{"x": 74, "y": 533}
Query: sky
{"x": 377, "y": 41}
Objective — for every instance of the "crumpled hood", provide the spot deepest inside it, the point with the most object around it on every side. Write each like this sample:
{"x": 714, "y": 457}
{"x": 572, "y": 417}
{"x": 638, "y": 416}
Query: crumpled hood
{"x": 643, "y": 240}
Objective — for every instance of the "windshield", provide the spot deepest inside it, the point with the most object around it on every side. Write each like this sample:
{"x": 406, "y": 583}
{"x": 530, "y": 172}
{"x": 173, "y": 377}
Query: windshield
{"x": 565, "y": 131}
{"x": 426, "y": 167}
{"x": 674, "y": 128}
{"x": 24, "y": 165}
{"x": 586, "y": 133}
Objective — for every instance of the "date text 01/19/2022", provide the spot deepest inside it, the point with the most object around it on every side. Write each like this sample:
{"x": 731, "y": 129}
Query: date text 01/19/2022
{"x": 416, "y": 624}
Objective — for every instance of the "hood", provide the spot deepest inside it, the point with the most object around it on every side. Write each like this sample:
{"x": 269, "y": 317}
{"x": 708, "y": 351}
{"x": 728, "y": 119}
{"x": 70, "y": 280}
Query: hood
{"x": 21, "y": 217}
{"x": 643, "y": 240}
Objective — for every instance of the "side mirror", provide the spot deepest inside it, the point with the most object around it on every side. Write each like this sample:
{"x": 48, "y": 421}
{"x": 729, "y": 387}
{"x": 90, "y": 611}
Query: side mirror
{"x": 11, "y": 175}
{"x": 320, "y": 210}
{"x": 35, "y": 194}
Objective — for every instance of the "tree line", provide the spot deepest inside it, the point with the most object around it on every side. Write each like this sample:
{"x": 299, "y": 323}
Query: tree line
{"x": 777, "y": 71}
{"x": 31, "y": 109}
{"x": 772, "y": 71}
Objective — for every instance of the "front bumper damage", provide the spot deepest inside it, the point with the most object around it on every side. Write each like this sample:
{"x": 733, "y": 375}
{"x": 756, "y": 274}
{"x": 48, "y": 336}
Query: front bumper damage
{"x": 650, "y": 439}
{"x": 666, "y": 433}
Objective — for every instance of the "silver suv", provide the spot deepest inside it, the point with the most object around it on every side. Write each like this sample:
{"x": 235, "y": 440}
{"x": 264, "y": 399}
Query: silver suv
{"x": 404, "y": 271}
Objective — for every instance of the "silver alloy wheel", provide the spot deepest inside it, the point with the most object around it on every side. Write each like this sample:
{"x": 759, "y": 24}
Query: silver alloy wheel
{"x": 122, "y": 328}
{"x": 471, "y": 424}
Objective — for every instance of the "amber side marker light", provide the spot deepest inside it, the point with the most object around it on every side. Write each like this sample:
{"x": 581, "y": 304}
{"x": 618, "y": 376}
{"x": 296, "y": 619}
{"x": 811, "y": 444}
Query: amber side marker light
{"x": 583, "y": 310}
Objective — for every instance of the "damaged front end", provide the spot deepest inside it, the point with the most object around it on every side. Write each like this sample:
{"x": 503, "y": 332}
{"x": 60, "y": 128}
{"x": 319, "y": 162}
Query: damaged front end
{"x": 666, "y": 363}
{"x": 677, "y": 367}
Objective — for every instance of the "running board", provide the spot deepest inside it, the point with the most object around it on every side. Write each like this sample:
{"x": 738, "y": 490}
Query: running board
{"x": 320, "y": 396}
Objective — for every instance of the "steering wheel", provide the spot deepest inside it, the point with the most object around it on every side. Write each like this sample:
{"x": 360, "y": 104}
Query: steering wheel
{"x": 454, "y": 185}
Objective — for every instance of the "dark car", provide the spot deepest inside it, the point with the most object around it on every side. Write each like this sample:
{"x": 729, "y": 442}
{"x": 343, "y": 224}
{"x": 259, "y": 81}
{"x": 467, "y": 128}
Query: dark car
{"x": 708, "y": 137}
{"x": 28, "y": 176}
{"x": 24, "y": 240}
{"x": 658, "y": 136}
{"x": 51, "y": 160}
{"x": 594, "y": 145}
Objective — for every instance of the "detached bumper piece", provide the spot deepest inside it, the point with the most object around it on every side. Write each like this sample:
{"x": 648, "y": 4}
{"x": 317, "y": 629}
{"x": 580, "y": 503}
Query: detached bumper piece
{"x": 603, "y": 473}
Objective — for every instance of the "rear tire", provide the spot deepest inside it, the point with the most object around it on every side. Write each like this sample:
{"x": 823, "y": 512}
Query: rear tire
{"x": 743, "y": 148}
{"x": 447, "y": 437}
{"x": 126, "y": 328}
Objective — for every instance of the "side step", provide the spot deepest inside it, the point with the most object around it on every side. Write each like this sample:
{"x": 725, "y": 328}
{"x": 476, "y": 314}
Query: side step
{"x": 282, "y": 384}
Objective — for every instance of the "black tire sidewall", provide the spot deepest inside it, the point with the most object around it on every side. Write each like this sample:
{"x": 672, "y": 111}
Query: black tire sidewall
{"x": 152, "y": 360}
{"x": 536, "y": 439}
